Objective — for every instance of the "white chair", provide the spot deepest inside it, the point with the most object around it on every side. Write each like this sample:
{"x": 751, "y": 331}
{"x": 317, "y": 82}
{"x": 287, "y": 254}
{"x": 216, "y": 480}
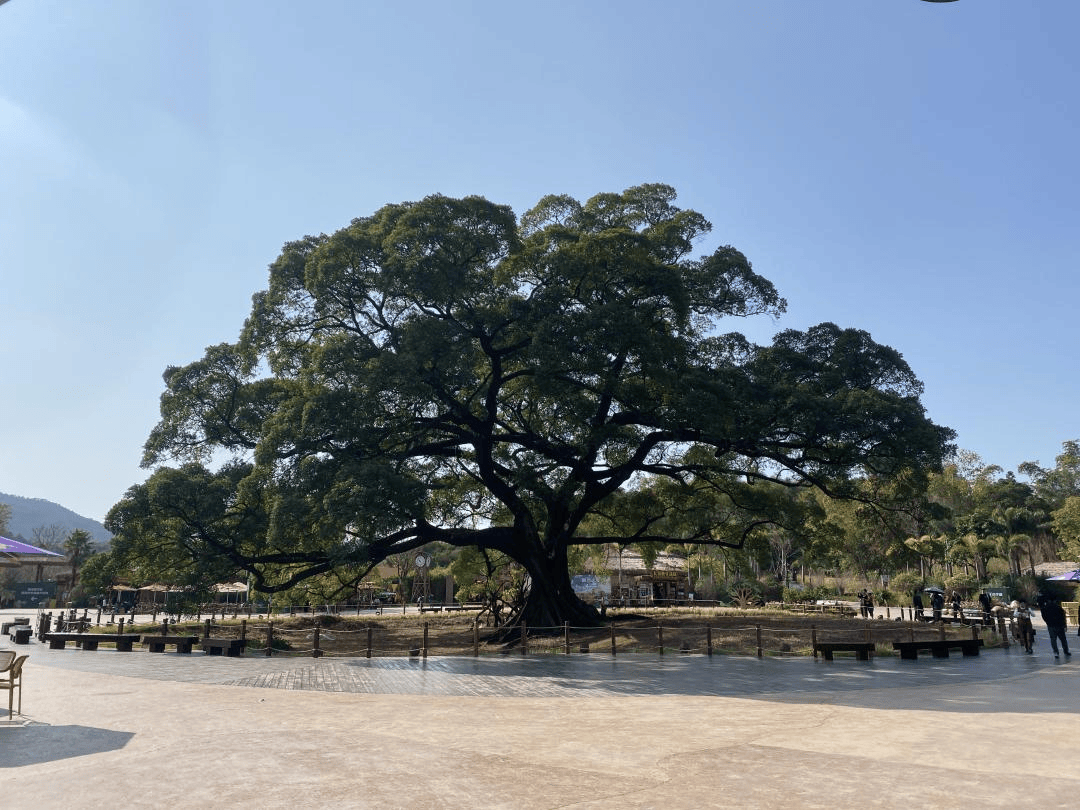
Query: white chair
{"x": 11, "y": 679}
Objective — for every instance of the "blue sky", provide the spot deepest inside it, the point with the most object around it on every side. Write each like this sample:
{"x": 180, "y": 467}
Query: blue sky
{"x": 904, "y": 167}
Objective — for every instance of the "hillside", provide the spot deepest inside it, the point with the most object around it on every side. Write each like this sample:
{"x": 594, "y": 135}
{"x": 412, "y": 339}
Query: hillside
{"x": 28, "y": 514}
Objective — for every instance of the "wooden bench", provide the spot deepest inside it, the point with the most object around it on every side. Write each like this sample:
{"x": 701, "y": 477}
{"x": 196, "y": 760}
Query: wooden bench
{"x": 7, "y": 627}
{"x": 223, "y": 646}
{"x": 157, "y": 643}
{"x": 862, "y": 649}
{"x": 939, "y": 648}
{"x": 90, "y": 641}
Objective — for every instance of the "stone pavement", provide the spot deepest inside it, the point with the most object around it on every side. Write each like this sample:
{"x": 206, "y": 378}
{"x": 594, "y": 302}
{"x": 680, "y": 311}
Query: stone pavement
{"x": 103, "y": 729}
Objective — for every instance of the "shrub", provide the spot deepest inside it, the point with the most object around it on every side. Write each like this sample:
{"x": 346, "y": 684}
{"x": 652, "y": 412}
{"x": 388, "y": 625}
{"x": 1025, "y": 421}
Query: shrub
{"x": 963, "y": 584}
{"x": 903, "y": 586}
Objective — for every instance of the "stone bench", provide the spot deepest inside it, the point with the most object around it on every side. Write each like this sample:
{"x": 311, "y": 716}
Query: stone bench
{"x": 90, "y": 641}
{"x": 939, "y": 648}
{"x": 157, "y": 643}
{"x": 223, "y": 646}
{"x": 862, "y": 649}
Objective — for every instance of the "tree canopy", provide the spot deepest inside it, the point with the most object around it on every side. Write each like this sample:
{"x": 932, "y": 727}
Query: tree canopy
{"x": 445, "y": 371}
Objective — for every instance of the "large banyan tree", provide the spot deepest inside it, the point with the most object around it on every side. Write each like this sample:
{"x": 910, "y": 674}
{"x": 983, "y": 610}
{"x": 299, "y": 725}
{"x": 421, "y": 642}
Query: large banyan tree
{"x": 444, "y": 371}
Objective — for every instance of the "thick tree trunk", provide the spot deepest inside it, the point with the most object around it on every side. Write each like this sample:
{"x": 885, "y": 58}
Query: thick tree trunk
{"x": 550, "y": 599}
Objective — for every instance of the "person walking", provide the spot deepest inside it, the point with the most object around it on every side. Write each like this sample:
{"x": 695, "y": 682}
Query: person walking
{"x": 985, "y": 603}
{"x": 917, "y": 603}
{"x": 937, "y": 602}
{"x": 1022, "y": 613}
{"x": 1054, "y": 616}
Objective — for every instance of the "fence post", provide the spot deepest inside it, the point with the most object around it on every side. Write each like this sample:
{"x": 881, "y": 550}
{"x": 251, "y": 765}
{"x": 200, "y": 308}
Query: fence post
{"x": 660, "y": 637}
{"x": 119, "y": 631}
{"x": 206, "y": 632}
{"x": 367, "y": 653}
{"x": 613, "y": 639}
{"x": 315, "y": 639}
{"x": 813, "y": 638}
{"x": 708, "y": 640}
{"x": 425, "y": 639}
{"x": 524, "y": 639}
{"x": 1001, "y": 630}
{"x": 165, "y": 628}
{"x": 758, "y": 640}
{"x": 476, "y": 638}
{"x": 243, "y": 629}
{"x": 269, "y": 638}
{"x": 566, "y": 637}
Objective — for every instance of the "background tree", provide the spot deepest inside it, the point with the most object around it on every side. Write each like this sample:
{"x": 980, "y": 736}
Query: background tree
{"x": 79, "y": 547}
{"x": 49, "y": 537}
{"x": 5, "y": 518}
{"x": 442, "y": 372}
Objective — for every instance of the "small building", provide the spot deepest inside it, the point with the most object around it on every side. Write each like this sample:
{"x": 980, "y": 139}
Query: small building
{"x": 624, "y": 579}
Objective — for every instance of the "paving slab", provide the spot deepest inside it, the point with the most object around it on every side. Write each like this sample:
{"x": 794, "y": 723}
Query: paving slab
{"x": 581, "y": 731}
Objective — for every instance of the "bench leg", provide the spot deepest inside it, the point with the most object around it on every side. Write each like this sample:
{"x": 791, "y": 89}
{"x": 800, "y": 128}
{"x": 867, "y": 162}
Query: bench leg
{"x": 827, "y": 655}
{"x": 940, "y": 652}
{"x": 183, "y": 648}
{"x": 57, "y": 643}
{"x": 89, "y": 645}
{"x": 909, "y": 655}
{"x": 158, "y": 648}
{"x": 862, "y": 655}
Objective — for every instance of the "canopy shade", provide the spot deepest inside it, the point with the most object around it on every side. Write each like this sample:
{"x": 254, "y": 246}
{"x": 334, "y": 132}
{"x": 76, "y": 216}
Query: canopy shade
{"x": 1068, "y": 576}
{"x": 15, "y": 547}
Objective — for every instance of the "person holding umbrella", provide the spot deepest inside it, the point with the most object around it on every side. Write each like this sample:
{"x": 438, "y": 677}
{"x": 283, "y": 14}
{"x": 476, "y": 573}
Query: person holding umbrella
{"x": 937, "y": 602}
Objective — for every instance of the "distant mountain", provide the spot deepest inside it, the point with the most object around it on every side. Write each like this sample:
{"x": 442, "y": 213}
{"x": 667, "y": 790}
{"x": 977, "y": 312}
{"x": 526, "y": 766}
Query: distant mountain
{"x": 35, "y": 519}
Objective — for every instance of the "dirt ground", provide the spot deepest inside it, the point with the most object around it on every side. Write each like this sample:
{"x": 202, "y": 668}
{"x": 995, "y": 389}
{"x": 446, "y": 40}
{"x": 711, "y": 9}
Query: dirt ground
{"x": 659, "y": 631}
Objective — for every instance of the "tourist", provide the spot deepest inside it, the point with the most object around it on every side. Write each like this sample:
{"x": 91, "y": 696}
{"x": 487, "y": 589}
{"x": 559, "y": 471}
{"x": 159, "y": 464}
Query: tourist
{"x": 1055, "y": 619}
{"x": 1022, "y": 614}
{"x": 937, "y": 602}
{"x": 917, "y": 602}
{"x": 985, "y": 603}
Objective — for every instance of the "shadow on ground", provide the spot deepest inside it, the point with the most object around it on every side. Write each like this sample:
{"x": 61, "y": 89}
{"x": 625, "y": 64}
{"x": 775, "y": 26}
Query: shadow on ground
{"x": 36, "y": 743}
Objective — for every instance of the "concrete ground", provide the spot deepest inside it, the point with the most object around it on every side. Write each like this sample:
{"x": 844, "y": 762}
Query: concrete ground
{"x": 106, "y": 729}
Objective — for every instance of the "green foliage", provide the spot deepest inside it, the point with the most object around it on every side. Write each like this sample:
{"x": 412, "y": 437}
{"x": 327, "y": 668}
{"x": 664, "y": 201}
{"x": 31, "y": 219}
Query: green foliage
{"x": 904, "y": 585}
{"x": 441, "y": 371}
{"x": 1067, "y": 525}
{"x": 964, "y": 584}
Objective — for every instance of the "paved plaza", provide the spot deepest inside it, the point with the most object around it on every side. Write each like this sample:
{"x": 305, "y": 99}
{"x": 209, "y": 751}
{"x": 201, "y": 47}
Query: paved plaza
{"x": 104, "y": 729}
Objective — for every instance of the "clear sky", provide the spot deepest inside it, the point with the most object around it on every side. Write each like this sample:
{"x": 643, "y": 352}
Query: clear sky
{"x": 904, "y": 167}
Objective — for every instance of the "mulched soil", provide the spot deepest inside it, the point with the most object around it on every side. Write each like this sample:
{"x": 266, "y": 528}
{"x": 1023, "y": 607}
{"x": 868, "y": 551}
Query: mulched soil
{"x": 690, "y": 630}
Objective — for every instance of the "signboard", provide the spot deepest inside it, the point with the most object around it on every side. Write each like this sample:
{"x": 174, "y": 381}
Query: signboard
{"x": 998, "y": 594}
{"x": 589, "y": 585}
{"x": 33, "y": 594}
